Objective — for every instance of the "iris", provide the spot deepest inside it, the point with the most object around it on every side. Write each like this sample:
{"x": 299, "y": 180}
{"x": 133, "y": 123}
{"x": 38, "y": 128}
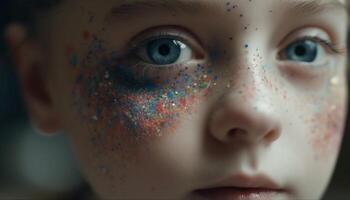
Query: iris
{"x": 302, "y": 51}
{"x": 163, "y": 51}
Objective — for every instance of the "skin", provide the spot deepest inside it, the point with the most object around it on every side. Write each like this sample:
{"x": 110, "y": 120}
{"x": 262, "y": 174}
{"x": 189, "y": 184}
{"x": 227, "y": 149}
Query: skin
{"x": 243, "y": 109}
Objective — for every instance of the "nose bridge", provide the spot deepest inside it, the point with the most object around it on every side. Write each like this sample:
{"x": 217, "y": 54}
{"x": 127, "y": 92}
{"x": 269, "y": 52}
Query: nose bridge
{"x": 249, "y": 68}
{"x": 247, "y": 110}
{"x": 250, "y": 78}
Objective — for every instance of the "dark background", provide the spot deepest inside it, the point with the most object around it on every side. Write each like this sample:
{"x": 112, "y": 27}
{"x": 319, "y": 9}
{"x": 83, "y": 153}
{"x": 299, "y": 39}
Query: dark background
{"x": 33, "y": 166}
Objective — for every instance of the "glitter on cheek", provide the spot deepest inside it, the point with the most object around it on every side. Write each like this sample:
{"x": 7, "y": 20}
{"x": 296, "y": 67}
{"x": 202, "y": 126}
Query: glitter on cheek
{"x": 148, "y": 112}
{"x": 74, "y": 59}
{"x": 108, "y": 93}
{"x": 72, "y": 56}
{"x": 327, "y": 130}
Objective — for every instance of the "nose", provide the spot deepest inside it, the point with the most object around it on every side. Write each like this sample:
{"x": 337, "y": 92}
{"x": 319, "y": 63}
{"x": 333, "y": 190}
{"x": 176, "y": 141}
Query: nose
{"x": 240, "y": 119}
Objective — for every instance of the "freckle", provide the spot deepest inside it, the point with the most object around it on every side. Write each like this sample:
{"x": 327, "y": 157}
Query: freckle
{"x": 241, "y": 15}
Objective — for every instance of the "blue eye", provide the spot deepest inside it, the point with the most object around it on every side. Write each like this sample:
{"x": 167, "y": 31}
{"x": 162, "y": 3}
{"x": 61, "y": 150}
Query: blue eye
{"x": 302, "y": 51}
{"x": 163, "y": 51}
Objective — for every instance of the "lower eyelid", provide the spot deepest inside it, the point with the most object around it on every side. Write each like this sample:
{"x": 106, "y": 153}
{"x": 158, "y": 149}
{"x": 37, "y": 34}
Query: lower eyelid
{"x": 305, "y": 73}
{"x": 171, "y": 67}
{"x": 307, "y": 70}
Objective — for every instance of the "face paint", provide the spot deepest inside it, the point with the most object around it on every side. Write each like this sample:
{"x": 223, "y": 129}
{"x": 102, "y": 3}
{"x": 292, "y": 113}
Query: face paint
{"x": 145, "y": 101}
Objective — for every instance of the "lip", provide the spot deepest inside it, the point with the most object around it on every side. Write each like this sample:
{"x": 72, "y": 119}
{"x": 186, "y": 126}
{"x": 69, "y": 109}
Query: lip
{"x": 242, "y": 187}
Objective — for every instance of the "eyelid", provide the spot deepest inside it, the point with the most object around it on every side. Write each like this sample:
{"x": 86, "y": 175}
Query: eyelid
{"x": 331, "y": 46}
{"x": 176, "y": 33}
{"x": 315, "y": 34}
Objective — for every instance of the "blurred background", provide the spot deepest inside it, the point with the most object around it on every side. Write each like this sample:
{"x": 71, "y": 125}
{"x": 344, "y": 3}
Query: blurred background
{"x": 33, "y": 166}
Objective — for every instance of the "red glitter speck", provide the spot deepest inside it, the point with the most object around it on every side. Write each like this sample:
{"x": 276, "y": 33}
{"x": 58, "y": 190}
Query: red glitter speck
{"x": 182, "y": 102}
{"x": 160, "y": 108}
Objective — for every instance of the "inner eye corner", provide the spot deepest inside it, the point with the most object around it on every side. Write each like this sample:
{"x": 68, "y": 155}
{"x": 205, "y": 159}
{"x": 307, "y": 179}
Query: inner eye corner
{"x": 200, "y": 56}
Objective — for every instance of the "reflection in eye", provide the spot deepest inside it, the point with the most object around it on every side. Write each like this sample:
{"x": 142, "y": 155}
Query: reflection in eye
{"x": 164, "y": 51}
{"x": 302, "y": 51}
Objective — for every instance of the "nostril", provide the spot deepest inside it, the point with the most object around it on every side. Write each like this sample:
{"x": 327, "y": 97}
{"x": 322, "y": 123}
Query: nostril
{"x": 236, "y": 132}
{"x": 271, "y": 136}
{"x": 241, "y": 134}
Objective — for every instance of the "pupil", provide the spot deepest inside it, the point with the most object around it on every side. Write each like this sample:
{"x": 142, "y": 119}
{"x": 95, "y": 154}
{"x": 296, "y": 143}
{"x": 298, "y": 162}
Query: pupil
{"x": 300, "y": 50}
{"x": 164, "y": 50}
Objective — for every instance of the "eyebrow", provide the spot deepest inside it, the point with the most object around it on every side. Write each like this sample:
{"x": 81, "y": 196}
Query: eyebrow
{"x": 316, "y": 6}
{"x": 128, "y": 9}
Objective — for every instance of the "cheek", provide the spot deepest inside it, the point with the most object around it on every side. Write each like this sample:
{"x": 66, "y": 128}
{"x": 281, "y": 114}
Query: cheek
{"x": 149, "y": 114}
{"x": 117, "y": 104}
{"x": 327, "y": 128}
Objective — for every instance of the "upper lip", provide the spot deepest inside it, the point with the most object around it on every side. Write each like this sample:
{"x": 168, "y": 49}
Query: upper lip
{"x": 243, "y": 181}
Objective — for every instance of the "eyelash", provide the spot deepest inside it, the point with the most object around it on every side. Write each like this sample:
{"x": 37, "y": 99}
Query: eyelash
{"x": 173, "y": 35}
{"x": 158, "y": 35}
{"x": 334, "y": 48}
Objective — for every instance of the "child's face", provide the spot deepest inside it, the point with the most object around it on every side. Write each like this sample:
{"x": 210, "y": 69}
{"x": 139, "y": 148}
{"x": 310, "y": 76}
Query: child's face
{"x": 166, "y": 98}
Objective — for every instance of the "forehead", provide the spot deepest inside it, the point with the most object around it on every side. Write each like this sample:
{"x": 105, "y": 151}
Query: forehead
{"x": 134, "y": 7}
{"x": 204, "y": 4}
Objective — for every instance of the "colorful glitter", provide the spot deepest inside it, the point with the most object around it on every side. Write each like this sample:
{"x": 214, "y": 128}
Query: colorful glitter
{"x": 112, "y": 89}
